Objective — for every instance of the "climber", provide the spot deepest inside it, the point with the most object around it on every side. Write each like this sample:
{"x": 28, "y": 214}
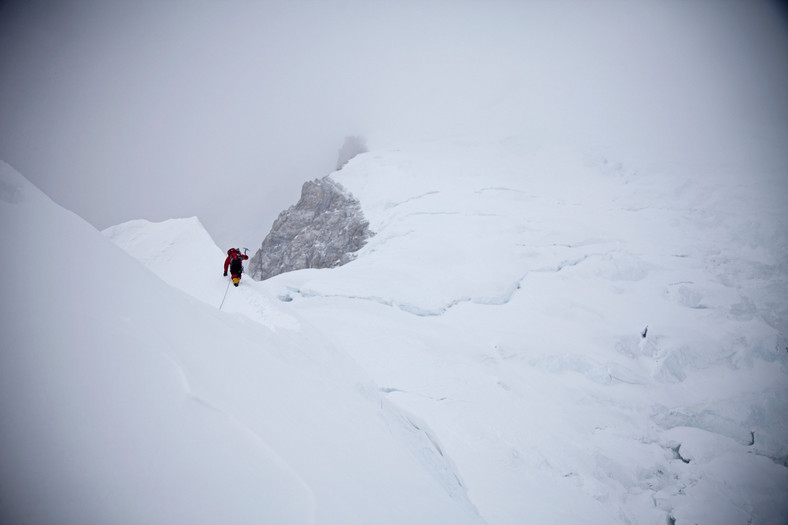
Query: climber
{"x": 235, "y": 261}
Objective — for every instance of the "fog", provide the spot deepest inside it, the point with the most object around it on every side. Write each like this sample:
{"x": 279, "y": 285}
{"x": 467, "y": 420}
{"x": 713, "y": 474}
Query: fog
{"x": 160, "y": 109}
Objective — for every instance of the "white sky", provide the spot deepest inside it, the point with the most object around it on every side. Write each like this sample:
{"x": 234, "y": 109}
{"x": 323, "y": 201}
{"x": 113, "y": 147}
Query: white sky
{"x": 158, "y": 109}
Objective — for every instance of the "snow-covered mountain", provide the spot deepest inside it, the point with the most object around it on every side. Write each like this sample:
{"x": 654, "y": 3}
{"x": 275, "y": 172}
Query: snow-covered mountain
{"x": 533, "y": 335}
{"x": 124, "y": 400}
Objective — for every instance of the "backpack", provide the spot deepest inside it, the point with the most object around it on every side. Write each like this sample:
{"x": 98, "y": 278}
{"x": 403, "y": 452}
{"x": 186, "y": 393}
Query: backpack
{"x": 236, "y": 262}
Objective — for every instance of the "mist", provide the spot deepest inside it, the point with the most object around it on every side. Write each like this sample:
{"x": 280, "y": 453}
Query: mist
{"x": 125, "y": 110}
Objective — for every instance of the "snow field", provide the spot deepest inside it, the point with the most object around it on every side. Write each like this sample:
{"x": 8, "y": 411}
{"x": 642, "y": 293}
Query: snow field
{"x": 528, "y": 327}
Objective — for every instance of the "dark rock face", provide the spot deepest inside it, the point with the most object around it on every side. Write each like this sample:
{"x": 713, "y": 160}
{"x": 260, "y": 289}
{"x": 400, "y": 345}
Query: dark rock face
{"x": 323, "y": 230}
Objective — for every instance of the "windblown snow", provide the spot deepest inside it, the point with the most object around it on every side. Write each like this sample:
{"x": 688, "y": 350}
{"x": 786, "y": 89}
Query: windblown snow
{"x": 533, "y": 335}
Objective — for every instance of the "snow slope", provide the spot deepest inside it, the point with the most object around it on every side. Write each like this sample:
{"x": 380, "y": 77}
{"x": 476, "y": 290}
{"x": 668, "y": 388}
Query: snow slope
{"x": 123, "y": 400}
{"x": 182, "y": 254}
{"x": 583, "y": 340}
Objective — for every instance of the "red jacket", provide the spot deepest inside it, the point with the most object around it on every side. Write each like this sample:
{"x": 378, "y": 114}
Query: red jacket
{"x": 232, "y": 254}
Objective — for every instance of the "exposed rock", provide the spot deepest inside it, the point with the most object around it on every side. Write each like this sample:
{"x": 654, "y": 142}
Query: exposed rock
{"x": 323, "y": 230}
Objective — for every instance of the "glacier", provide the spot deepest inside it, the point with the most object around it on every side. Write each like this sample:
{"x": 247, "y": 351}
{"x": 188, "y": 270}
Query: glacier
{"x": 534, "y": 335}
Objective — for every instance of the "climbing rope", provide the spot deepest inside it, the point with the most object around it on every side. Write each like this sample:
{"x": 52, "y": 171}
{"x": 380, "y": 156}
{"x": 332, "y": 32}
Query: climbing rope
{"x": 225, "y": 294}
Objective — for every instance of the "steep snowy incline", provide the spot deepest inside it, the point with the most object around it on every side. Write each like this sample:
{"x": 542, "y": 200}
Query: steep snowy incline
{"x": 123, "y": 400}
{"x": 182, "y": 253}
{"x": 98, "y": 421}
{"x": 185, "y": 267}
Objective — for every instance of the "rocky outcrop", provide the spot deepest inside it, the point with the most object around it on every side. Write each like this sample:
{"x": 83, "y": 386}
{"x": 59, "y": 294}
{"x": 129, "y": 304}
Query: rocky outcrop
{"x": 323, "y": 230}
